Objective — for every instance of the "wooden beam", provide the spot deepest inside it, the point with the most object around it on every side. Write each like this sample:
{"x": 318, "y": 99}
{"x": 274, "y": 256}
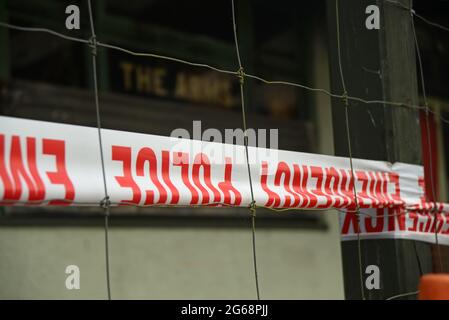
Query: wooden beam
{"x": 377, "y": 65}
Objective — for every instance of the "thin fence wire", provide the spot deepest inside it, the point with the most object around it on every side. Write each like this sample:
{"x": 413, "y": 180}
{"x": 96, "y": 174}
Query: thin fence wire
{"x": 225, "y": 71}
{"x": 342, "y": 209}
{"x": 403, "y": 295}
{"x": 413, "y": 12}
{"x": 94, "y": 44}
{"x": 105, "y": 203}
{"x": 427, "y": 124}
{"x": 252, "y": 206}
{"x": 348, "y": 136}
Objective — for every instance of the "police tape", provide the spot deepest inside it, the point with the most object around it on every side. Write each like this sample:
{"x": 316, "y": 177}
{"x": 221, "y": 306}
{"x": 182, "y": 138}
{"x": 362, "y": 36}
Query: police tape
{"x": 44, "y": 163}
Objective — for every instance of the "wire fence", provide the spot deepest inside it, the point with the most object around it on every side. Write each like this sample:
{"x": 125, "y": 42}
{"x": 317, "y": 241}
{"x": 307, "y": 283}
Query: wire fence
{"x": 105, "y": 203}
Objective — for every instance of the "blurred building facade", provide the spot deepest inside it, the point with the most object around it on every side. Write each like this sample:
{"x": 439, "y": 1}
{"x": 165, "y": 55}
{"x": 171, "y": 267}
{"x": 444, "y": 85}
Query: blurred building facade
{"x": 168, "y": 253}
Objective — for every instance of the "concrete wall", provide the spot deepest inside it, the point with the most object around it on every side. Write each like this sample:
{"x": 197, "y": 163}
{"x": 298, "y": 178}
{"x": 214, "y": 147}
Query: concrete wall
{"x": 170, "y": 263}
